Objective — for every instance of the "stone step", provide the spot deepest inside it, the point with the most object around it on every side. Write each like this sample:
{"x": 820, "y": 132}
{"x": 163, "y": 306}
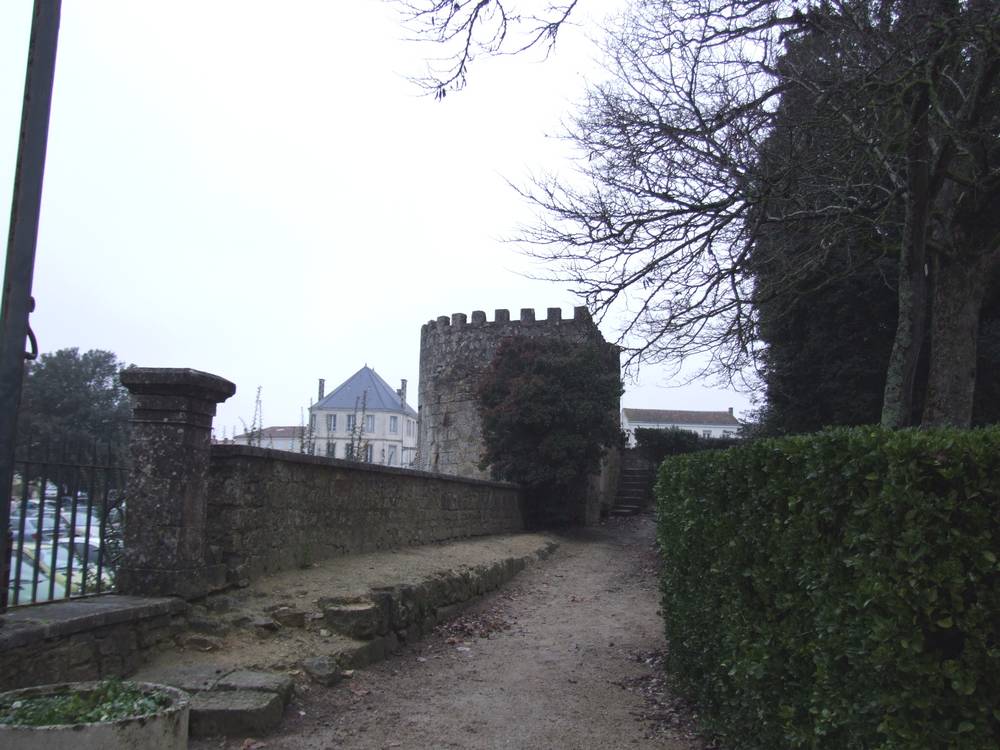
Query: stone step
{"x": 226, "y": 701}
{"x": 633, "y": 496}
{"x": 234, "y": 713}
{"x": 356, "y": 618}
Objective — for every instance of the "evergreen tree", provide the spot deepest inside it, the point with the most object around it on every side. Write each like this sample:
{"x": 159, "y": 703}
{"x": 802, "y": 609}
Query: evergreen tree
{"x": 549, "y": 411}
{"x": 75, "y": 401}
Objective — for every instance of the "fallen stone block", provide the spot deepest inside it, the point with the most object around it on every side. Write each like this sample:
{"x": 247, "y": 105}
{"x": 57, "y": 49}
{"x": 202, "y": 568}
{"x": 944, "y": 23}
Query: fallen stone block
{"x": 289, "y": 617}
{"x": 198, "y": 642}
{"x": 264, "y": 682}
{"x": 352, "y": 617}
{"x": 322, "y": 669}
{"x": 219, "y": 603}
{"x": 387, "y": 600}
{"x": 361, "y": 655}
{"x": 206, "y": 625}
{"x": 190, "y": 678}
{"x": 234, "y": 713}
{"x": 409, "y": 605}
{"x": 264, "y": 626}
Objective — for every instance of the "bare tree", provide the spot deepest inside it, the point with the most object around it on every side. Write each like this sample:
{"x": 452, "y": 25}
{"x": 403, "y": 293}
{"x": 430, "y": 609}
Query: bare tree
{"x": 255, "y": 432}
{"x": 661, "y": 224}
{"x": 307, "y": 431}
{"x": 357, "y": 446}
{"x": 679, "y": 181}
{"x": 679, "y": 188}
{"x": 468, "y": 28}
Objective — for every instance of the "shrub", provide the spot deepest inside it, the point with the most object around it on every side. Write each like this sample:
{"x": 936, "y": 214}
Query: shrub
{"x": 838, "y": 590}
{"x": 656, "y": 445}
{"x": 109, "y": 700}
{"x": 549, "y": 411}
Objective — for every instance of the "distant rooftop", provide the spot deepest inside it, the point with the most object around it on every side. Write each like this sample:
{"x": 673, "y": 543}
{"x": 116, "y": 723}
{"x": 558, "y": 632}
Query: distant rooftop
{"x": 274, "y": 432}
{"x": 381, "y": 396}
{"x": 681, "y": 416}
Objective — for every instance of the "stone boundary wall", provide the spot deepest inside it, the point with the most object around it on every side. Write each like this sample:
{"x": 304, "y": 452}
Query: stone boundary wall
{"x": 271, "y": 510}
{"x": 85, "y": 639}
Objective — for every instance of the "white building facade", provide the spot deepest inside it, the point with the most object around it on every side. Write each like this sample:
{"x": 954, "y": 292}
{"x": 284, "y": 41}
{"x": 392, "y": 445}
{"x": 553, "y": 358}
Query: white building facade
{"x": 367, "y": 413}
{"x": 707, "y": 424}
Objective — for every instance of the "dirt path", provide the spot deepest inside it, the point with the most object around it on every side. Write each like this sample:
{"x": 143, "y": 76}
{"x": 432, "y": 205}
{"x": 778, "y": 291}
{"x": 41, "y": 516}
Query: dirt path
{"x": 565, "y": 656}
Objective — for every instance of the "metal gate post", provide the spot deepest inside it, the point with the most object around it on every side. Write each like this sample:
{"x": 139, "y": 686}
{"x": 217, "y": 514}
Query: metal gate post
{"x": 20, "y": 266}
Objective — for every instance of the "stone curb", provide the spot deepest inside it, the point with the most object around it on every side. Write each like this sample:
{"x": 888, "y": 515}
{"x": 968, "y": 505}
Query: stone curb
{"x": 404, "y": 613}
{"x": 234, "y": 702}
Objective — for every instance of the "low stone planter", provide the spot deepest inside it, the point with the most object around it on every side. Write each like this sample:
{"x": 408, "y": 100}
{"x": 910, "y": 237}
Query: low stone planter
{"x": 166, "y": 729}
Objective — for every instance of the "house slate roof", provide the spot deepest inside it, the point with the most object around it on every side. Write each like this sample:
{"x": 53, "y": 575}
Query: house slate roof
{"x": 680, "y": 416}
{"x": 381, "y": 395}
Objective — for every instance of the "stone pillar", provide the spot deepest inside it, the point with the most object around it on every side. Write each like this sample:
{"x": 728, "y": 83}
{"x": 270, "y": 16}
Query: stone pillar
{"x": 166, "y": 496}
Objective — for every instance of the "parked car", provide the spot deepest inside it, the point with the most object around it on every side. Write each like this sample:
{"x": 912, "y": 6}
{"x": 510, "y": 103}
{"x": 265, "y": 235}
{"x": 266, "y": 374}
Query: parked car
{"x": 65, "y": 566}
{"x": 44, "y": 528}
{"x": 21, "y": 582}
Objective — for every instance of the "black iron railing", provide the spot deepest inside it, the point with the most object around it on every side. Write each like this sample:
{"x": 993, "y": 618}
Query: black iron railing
{"x": 66, "y": 517}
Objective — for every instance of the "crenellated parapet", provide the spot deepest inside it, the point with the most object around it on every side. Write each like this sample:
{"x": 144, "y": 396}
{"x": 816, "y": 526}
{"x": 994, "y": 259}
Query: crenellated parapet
{"x": 455, "y": 351}
{"x": 501, "y": 317}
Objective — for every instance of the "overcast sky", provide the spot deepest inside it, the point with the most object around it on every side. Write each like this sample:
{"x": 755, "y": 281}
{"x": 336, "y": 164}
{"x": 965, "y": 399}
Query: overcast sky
{"x": 256, "y": 190}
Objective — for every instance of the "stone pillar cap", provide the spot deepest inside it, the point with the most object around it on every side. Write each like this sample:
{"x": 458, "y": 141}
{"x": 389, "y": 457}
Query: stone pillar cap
{"x": 176, "y": 381}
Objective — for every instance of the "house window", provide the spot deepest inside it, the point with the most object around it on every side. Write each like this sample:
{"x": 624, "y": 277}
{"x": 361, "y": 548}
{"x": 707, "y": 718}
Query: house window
{"x": 392, "y": 455}
{"x": 369, "y": 452}
{"x": 331, "y": 422}
{"x": 409, "y": 427}
{"x": 370, "y": 423}
{"x": 393, "y": 425}
{"x": 351, "y": 421}
{"x": 312, "y": 421}
{"x": 331, "y": 449}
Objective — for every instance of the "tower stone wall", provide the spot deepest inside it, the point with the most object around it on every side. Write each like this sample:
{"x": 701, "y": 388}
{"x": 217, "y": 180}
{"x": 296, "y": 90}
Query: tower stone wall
{"x": 454, "y": 353}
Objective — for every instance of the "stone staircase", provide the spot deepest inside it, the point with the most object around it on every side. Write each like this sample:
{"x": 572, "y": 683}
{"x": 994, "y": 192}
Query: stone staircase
{"x": 635, "y": 485}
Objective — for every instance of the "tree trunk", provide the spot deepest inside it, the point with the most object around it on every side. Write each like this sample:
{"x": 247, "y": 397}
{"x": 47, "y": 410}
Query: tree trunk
{"x": 911, "y": 328}
{"x": 911, "y": 325}
{"x": 959, "y": 285}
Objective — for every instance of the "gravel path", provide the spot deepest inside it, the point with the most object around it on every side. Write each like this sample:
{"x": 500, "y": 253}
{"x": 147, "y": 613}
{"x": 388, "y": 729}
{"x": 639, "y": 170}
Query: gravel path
{"x": 565, "y": 656}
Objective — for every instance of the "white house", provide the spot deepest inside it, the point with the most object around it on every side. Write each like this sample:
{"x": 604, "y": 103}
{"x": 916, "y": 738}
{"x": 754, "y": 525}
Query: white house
{"x": 709, "y": 424}
{"x": 368, "y": 408}
{"x": 279, "y": 438}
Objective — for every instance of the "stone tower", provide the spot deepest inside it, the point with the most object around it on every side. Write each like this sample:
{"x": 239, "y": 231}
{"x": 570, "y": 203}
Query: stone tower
{"x": 454, "y": 353}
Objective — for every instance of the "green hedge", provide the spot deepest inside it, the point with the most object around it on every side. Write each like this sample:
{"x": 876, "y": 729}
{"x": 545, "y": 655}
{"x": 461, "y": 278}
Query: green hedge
{"x": 656, "y": 445}
{"x": 838, "y": 590}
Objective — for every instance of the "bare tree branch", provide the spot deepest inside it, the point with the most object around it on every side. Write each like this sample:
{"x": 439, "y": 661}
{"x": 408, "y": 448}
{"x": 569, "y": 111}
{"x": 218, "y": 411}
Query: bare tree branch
{"x": 468, "y": 28}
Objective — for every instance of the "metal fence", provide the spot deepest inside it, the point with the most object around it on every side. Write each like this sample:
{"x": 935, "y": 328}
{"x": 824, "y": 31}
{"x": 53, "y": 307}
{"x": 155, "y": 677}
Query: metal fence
{"x": 66, "y": 517}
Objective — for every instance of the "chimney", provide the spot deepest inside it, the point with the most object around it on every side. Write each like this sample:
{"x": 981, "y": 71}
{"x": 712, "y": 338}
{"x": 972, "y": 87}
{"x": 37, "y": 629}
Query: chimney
{"x": 322, "y": 390}
{"x": 401, "y": 392}
{"x": 730, "y": 411}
